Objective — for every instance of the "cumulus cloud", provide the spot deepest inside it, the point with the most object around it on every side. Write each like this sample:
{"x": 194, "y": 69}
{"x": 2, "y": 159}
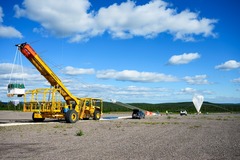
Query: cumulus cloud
{"x": 192, "y": 91}
{"x": 229, "y": 65}
{"x": 183, "y": 59}
{"x": 8, "y": 31}
{"x": 198, "y": 79}
{"x": 135, "y": 76}
{"x": 122, "y": 94}
{"x": 57, "y": 18}
{"x": 76, "y": 71}
{"x": 188, "y": 90}
{"x": 125, "y": 20}
{"x": 236, "y": 80}
{"x": 18, "y": 73}
{"x": 30, "y": 77}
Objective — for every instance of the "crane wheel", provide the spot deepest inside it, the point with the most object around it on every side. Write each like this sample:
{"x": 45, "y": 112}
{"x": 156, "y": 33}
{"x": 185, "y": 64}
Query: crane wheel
{"x": 97, "y": 115}
{"x": 71, "y": 116}
{"x": 37, "y": 119}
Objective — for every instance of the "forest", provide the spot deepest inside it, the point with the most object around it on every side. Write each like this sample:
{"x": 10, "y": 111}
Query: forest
{"x": 207, "y": 107}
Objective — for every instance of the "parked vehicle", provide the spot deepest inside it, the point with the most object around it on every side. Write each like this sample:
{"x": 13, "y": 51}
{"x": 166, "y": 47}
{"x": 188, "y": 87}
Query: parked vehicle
{"x": 183, "y": 113}
{"x": 138, "y": 114}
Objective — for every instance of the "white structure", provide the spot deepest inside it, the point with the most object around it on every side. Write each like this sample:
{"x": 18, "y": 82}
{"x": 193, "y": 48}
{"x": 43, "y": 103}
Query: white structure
{"x": 16, "y": 85}
{"x": 198, "y": 101}
{"x": 15, "y": 89}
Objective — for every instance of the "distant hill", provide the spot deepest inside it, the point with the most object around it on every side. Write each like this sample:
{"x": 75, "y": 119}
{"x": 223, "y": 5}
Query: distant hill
{"x": 175, "y": 107}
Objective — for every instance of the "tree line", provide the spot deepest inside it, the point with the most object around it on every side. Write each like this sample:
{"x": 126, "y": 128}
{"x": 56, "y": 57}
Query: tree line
{"x": 175, "y": 107}
{"x": 160, "y": 107}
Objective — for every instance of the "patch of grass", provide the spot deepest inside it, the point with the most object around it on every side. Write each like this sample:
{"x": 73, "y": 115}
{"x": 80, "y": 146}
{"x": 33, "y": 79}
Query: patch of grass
{"x": 205, "y": 117}
{"x": 80, "y": 133}
{"x": 70, "y": 126}
{"x": 134, "y": 122}
{"x": 176, "y": 122}
{"x": 171, "y": 117}
{"x": 152, "y": 123}
{"x": 237, "y": 117}
{"x": 57, "y": 126}
{"x": 118, "y": 125}
{"x": 163, "y": 123}
{"x": 155, "y": 123}
{"x": 195, "y": 126}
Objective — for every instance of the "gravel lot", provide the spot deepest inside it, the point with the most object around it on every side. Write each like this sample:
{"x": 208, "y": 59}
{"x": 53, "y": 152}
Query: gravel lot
{"x": 213, "y": 136}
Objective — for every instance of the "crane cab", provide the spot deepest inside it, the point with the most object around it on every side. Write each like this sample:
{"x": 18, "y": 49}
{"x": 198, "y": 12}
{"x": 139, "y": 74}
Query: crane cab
{"x": 15, "y": 89}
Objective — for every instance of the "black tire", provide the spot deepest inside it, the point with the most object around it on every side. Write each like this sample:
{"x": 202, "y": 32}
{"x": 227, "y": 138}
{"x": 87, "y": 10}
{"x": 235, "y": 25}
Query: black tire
{"x": 37, "y": 119}
{"x": 71, "y": 116}
{"x": 97, "y": 115}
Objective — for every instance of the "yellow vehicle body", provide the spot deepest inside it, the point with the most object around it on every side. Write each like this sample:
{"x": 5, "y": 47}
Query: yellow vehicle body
{"x": 48, "y": 102}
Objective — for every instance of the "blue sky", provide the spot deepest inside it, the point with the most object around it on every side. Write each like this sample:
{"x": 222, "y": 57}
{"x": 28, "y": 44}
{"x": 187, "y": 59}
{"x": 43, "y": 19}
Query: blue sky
{"x": 132, "y": 51}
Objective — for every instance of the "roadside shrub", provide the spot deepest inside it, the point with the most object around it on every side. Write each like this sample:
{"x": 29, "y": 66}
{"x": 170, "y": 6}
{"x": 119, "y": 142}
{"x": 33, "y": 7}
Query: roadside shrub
{"x": 80, "y": 133}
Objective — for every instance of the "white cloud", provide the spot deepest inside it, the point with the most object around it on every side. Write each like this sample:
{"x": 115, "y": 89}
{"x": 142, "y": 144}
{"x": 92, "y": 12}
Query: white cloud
{"x": 127, "y": 19}
{"x": 236, "y": 80}
{"x": 20, "y": 76}
{"x": 205, "y": 92}
{"x": 188, "y": 90}
{"x": 17, "y": 75}
{"x": 41, "y": 31}
{"x": 229, "y": 65}
{"x": 6, "y": 67}
{"x": 15, "y": 71}
{"x": 135, "y": 76}
{"x": 7, "y": 31}
{"x": 198, "y": 79}
{"x": 57, "y": 17}
{"x": 124, "y": 20}
{"x": 122, "y": 94}
{"x": 30, "y": 77}
{"x": 136, "y": 92}
{"x": 183, "y": 59}
{"x": 76, "y": 71}
{"x": 223, "y": 99}
{"x": 192, "y": 91}
{"x": 34, "y": 80}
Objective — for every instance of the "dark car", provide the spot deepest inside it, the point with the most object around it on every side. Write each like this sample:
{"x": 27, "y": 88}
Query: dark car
{"x": 138, "y": 114}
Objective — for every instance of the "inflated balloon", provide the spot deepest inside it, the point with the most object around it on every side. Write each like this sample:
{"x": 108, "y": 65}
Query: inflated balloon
{"x": 198, "y": 101}
{"x": 113, "y": 100}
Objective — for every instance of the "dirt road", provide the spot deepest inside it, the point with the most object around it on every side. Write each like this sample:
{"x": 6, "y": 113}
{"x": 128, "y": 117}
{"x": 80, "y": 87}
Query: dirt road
{"x": 214, "y": 136}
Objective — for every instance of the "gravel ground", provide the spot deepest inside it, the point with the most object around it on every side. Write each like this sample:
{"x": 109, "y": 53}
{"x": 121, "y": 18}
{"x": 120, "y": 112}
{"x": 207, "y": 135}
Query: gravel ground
{"x": 213, "y": 136}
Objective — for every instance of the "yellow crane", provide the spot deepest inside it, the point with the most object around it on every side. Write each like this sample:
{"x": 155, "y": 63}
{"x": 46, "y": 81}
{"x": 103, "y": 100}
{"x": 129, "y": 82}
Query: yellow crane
{"x": 42, "y": 107}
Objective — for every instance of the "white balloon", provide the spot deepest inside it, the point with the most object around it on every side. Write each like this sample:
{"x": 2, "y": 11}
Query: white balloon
{"x": 198, "y": 101}
{"x": 113, "y": 100}
{"x": 15, "y": 102}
